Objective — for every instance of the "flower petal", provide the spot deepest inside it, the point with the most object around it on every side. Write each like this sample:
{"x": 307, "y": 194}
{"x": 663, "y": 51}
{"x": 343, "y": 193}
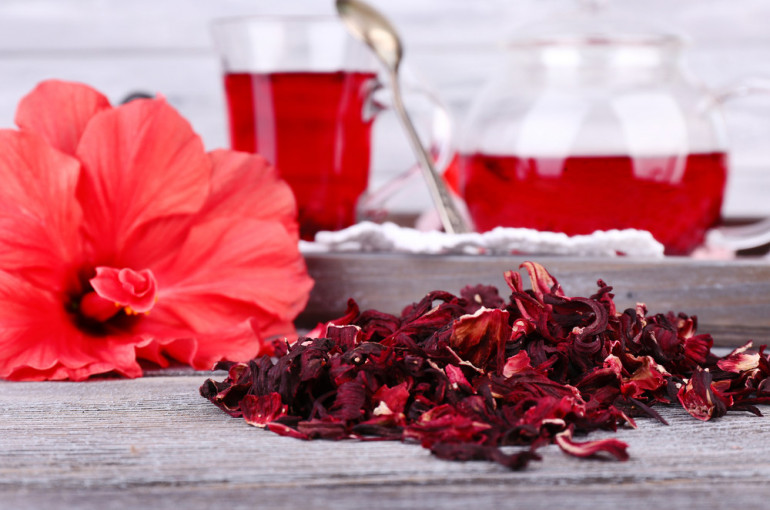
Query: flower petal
{"x": 34, "y": 349}
{"x": 240, "y": 341}
{"x": 242, "y": 186}
{"x": 254, "y": 263}
{"x": 59, "y": 112}
{"x": 245, "y": 185}
{"x": 141, "y": 161}
{"x": 154, "y": 242}
{"x": 39, "y": 215}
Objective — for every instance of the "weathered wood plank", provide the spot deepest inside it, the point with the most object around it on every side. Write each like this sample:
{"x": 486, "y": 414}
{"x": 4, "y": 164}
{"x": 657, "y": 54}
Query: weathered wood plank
{"x": 154, "y": 442}
{"x": 731, "y": 299}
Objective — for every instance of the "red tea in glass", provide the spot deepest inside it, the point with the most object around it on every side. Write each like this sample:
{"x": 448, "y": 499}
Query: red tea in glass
{"x": 312, "y": 127}
{"x": 675, "y": 198}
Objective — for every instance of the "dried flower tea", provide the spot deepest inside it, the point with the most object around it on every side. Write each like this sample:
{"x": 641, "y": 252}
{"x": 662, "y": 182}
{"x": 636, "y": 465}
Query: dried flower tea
{"x": 467, "y": 375}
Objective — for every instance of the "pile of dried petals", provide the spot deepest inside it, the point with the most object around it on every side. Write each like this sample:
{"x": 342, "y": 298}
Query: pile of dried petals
{"x": 475, "y": 373}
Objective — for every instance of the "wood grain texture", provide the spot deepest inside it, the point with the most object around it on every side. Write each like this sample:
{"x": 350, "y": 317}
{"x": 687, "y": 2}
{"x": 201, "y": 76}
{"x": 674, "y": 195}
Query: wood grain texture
{"x": 730, "y": 299}
{"x": 155, "y": 443}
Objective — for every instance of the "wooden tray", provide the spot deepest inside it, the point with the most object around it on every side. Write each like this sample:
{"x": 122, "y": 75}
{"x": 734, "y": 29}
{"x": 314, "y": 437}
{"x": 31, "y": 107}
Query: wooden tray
{"x": 731, "y": 299}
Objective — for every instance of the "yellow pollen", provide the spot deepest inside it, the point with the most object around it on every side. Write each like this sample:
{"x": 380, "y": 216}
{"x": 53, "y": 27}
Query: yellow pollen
{"x": 130, "y": 311}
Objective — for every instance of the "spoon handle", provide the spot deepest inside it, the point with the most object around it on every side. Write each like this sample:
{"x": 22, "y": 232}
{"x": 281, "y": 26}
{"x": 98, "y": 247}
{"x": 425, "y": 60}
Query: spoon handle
{"x": 451, "y": 219}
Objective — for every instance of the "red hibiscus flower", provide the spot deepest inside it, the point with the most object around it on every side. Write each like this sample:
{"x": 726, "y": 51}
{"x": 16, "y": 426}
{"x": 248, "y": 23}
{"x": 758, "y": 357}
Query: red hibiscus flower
{"x": 122, "y": 239}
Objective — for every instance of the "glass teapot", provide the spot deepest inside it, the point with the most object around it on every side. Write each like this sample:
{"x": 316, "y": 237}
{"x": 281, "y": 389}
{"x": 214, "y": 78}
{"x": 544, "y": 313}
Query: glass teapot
{"x": 594, "y": 123}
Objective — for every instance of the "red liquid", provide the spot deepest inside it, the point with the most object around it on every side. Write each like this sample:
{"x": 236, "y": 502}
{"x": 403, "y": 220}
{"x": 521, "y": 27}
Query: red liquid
{"x": 676, "y": 199}
{"x": 311, "y": 126}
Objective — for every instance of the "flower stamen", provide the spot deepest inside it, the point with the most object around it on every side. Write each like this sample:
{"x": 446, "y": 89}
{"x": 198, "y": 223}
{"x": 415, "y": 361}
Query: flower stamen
{"x": 93, "y": 306}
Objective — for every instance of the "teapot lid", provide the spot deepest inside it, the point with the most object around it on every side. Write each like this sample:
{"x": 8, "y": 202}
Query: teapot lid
{"x": 594, "y": 23}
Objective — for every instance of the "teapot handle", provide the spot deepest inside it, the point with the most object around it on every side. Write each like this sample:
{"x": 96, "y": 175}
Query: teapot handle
{"x": 750, "y": 87}
{"x": 756, "y": 234}
{"x": 372, "y": 205}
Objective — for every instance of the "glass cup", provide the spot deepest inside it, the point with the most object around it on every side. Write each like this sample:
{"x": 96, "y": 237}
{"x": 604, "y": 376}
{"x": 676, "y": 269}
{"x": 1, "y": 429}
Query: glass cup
{"x": 304, "y": 94}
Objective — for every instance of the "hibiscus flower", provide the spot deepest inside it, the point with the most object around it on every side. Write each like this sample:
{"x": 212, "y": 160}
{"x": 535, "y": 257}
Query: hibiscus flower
{"x": 122, "y": 239}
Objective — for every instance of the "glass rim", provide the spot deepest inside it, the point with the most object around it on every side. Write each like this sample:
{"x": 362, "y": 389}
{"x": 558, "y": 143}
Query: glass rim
{"x": 659, "y": 41}
{"x": 248, "y": 19}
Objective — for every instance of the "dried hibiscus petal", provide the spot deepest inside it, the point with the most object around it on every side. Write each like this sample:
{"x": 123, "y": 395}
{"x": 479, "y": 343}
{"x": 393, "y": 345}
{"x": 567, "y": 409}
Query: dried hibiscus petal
{"x": 445, "y": 424}
{"x": 391, "y": 403}
{"x": 259, "y": 411}
{"x": 480, "y": 296}
{"x": 470, "y": 451}
{"x": 649, "y": 377}
{"x": 285, "y": 430}
{"x": 699, "y": 397}
{"x": 466, "y": 375}
{"x": 740, "y": 360}
{"x": 457, "y": 379}
{"x": 323, "y": 428}
{"x": 516, "y": 364}
{"x": 480, "y": 338}
{"x": 613, "y": 447}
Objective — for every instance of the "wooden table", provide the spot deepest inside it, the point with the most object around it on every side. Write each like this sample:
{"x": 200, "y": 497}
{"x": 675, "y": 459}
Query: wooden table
{"x": 155, "y": 443}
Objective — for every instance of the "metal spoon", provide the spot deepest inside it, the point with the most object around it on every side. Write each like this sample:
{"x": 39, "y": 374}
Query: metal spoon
{"x": 371, "y": 27}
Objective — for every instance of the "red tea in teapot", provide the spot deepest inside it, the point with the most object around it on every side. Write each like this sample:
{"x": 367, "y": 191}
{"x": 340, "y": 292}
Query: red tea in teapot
{"x": 675, "y": 198}
{"x": 311, "y": 126}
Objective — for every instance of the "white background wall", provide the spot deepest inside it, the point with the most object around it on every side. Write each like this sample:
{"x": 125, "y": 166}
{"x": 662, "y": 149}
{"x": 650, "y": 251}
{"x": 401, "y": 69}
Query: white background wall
{"x": 164, "y": 46}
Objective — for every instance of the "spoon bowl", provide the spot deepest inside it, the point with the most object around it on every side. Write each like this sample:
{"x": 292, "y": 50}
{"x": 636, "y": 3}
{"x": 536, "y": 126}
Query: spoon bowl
{"x": 371, "y": 27}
